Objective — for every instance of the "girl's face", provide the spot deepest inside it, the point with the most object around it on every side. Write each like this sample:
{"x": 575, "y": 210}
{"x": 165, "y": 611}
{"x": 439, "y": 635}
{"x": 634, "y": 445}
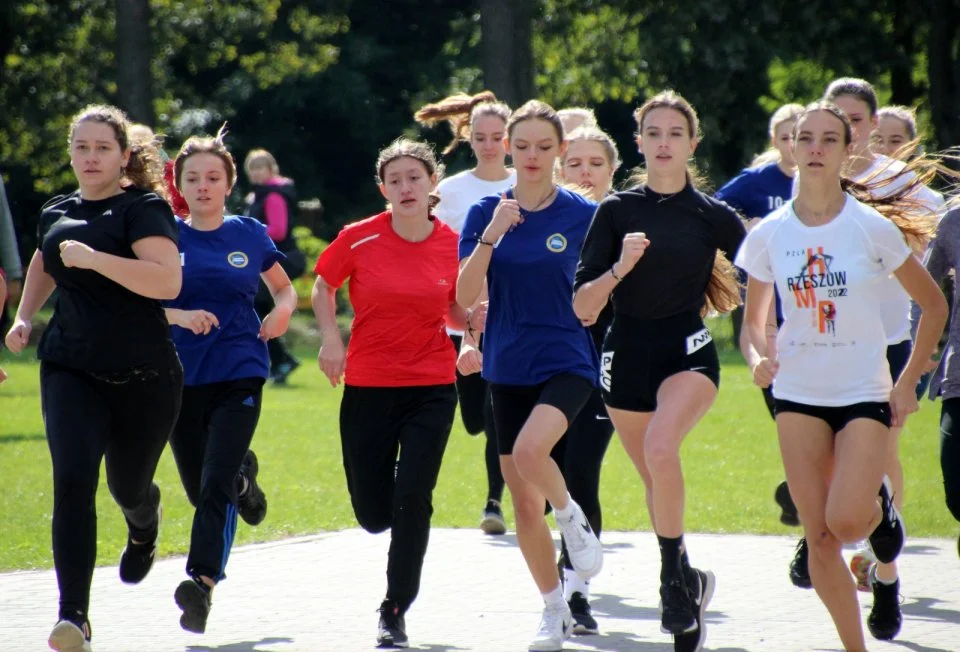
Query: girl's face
{"x": 534, "y": 147}
{"x": 861, "y": 120}
{"x": 665, "y": 141}
{"x": 586, "y": 165}
{"x": 890, "y": 136}
{"x": 259, "y": 174}
{"x": 819, "y": 149}
{"x": 407, "y": 186}
{"x": 487, "y": 139}
{"x": 204, "y": 184}
{"x": 96, "y": 157}
{"x": 783, "y": 141}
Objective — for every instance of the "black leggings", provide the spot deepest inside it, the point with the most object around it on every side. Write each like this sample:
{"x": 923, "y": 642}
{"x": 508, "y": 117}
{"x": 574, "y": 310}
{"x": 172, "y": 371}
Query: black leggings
{"x": 393, "y": 440}
{"x": 583, "y": 449}
{"x": 212, "y": 435}
{"x": 950, "y": 453}
{"x": 125, "y": 417}
{"x": 476, "y": 412}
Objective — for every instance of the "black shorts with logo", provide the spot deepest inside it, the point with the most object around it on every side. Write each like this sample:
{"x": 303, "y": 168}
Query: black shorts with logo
{"x": 837, "y": 417}
{"x": 639, "y": 355}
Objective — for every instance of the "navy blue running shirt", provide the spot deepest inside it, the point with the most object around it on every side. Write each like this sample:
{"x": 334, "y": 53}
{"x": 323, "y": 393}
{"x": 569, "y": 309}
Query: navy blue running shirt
{"x": 757, "y": 192}
{"x": 532, "y": 333}
{"x": 221, "y": 273}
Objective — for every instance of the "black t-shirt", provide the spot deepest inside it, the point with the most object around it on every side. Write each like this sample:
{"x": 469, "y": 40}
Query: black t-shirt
{"x": 97, "y": 324}
{"x": 685, "y": 231}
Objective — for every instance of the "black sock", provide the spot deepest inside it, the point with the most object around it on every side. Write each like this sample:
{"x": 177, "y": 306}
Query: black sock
{"x": 670, "y": 553}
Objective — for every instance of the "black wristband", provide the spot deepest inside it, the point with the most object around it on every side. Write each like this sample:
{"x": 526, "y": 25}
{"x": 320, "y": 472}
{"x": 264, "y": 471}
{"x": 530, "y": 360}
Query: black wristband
{"x": 484, "y": 242}
{"x": 614, "y": 275}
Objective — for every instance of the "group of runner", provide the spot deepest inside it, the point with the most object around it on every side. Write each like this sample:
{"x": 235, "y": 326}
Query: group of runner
{"x": 554, "y": 310}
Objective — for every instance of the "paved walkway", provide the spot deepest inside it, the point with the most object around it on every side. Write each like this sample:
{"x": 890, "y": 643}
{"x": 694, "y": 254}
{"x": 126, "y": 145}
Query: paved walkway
{"x": 320, "y": 593}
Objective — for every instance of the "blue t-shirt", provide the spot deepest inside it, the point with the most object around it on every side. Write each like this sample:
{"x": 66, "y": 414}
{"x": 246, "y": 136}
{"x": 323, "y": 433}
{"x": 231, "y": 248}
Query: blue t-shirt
{"x": 221, "y": 273}
{"x": 756, "y": 192}
{"x": 532, "y": 333}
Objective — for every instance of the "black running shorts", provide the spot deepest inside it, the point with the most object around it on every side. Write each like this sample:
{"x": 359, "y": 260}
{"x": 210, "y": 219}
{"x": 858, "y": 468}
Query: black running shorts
{"x": 838, "y": 417}
{"x": 639, "y": 355}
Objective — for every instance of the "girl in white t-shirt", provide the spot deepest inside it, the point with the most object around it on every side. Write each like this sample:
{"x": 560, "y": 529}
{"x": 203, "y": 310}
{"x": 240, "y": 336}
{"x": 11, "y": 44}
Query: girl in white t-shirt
{"x": 828, "y": 254}
{"x": 481, "y": 121}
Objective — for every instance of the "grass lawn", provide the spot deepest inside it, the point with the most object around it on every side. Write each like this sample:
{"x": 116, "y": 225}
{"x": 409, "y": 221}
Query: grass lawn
{"x": 731, "y": 463}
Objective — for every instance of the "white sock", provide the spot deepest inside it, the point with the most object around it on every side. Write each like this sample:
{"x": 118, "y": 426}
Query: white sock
{"x": 567, "y": 512}
{"x": 554, "y": 599}
{"x": 877, "y": 578}
{"x": 573, "y": 583}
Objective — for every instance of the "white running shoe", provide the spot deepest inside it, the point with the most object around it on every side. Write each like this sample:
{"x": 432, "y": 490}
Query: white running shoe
{"x": 583, "y": 546}
{"x": 67, "y": 637}
{"x": 556, "y": 625}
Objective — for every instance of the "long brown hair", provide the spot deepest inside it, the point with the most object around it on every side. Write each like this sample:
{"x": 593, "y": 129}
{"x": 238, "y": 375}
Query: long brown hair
{"x": 461, "y": 111}
{"x": 144, "y": 169}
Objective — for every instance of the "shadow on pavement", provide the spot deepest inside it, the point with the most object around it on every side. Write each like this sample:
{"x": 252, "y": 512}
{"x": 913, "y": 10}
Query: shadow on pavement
{"x": 245, "y": 646}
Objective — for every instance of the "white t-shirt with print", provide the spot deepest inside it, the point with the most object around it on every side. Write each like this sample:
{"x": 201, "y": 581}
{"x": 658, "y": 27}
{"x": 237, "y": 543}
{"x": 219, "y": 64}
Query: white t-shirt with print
{"x": 832, "y": 345}
{"x": 461, "y": 191}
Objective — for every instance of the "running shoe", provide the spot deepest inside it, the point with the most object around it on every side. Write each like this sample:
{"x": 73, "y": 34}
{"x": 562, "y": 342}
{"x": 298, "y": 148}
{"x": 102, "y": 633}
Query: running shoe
{"x": 392, "y": 629}
{"x": 68, "y": 636}
{"x": 701, "y": 595}
{"x": 194, "y": 598}
{"x": 885, "y": 618}
{"x": 583, "y": 546}
{"x": 788, "y": 511}
{"x": 556, "y": 625}
{"x": 860, "y": 565}
{"x": 137, "y": 558}
{"x": 252, "y": 505}
{"x": 888, "y": 538}
{"x": 677, "y": 610}
{"x": 583, "y": 620}
{"x": 492, "y": 521}
{"x": 800, "y": 567}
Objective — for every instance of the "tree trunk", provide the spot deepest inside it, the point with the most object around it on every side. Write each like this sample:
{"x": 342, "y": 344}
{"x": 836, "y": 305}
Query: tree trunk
{"x": 943, "y": 71}
{"x": 134, "y": 55}
{"x": 507, "y": 31}
{"x": 902, "y": 89}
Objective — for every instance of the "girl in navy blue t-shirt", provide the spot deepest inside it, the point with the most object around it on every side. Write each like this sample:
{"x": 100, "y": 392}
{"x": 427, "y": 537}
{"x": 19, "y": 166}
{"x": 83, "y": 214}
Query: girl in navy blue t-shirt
{"x": 222, "y": 346}
{"x": 538, "y": 357}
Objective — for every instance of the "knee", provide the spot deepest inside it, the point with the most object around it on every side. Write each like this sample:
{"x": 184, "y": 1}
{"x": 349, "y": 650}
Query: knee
{"x": 76, "y": 486}
{"x": 952, "y": 491}
{"x": 823, "y": 545}
{"x": 528, "y": 510}
{"x": 373, "y": 516}
{"x": 845, "y": 527}
{"x": 660, "y": 454}
{"x": 528, "y": 458}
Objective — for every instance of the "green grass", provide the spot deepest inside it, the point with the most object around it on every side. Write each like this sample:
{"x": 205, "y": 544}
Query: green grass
{"x": 731, "y": 464}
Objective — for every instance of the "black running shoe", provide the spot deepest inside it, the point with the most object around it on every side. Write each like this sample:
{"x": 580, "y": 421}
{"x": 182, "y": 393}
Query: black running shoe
{"x": 137, "y": 558}
{"x": 392, "y": 630}
{"x": 677, "y": 611}
{"x": 583, "y": 621}
{"x": 788, "y": 511}
{"x": 492, "y": 521}
{"x": 194, "y": 598}
{"x": 701, "y": 593}
{"x": 887, "y": 540}
{"x": 282, "y": 371}
{"x": 800, "y": 567}
{"x": 253, "y": 503}
{"x": 885, "y": 618}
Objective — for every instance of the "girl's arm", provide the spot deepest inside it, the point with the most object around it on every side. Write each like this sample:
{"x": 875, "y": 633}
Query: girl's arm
{"x": 284, "y": 296}
{"x": 332, "y": 356}
{"x": 155, "y": 273}
{"x": 37, "y": 289}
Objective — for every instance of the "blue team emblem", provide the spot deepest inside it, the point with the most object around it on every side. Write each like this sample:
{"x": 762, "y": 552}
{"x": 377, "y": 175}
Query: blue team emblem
{"x": 556, "y": 243}
{"x": 238, "y": 259}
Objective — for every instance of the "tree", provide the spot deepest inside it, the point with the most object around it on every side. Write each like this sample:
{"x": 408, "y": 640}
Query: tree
{"x": 134, "y": 55}
{"x": 943, "y": 58}
{"x": 507, "y": 42}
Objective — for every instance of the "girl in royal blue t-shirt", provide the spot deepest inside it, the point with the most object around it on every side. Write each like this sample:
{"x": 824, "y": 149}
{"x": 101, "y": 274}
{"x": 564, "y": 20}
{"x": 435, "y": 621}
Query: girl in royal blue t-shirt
{"x": 222, "y": 346}
{"x": 538, "y": 357}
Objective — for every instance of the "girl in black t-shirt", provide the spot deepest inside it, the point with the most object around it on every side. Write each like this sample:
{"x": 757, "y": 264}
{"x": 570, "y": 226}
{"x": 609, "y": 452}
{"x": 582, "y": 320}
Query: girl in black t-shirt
{"x": 110, "y": 380}
{"x": 654, "y": 250}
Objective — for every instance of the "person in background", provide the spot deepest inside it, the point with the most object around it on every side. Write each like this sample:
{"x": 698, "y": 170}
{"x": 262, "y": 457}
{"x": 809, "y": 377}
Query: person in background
{"x": 10, "y": 265}
{"x": 274, "y": 202}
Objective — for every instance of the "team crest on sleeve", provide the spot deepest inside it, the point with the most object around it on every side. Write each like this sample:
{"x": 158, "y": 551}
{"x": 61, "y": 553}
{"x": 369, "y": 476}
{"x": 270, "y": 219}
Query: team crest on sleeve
{"x": 238, "y": 259}
{"x": 556, "y": 243}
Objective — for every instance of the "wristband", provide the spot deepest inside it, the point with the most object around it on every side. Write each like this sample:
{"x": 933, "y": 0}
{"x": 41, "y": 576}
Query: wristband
{"x": 614, "y": 275}
{"x": 481, "y": 241}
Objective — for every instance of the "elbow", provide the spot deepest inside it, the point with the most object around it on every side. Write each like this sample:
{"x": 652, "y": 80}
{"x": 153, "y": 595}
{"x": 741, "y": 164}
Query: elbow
{"x": 171, "y": 289}
{"x": 465, "y": 297}
{"x": 939, "y": 311}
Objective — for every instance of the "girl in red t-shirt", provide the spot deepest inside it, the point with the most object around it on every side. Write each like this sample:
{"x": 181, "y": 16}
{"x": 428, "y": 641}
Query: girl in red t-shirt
{"x": 399, "y": 397}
